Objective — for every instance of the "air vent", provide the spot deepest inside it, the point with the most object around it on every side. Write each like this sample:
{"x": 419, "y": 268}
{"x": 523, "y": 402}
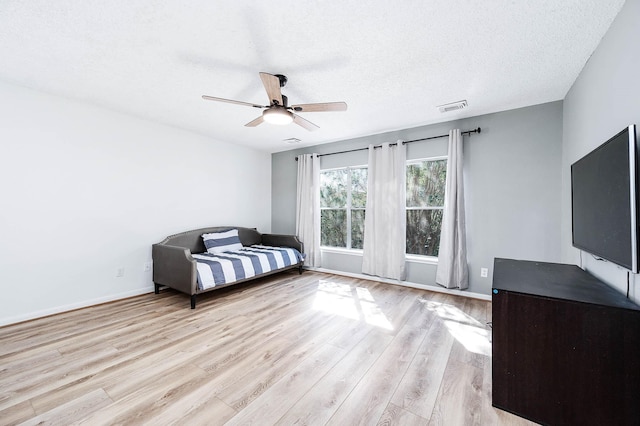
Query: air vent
{"x": 453, "y": 106}
{"x": 292, "y": 140}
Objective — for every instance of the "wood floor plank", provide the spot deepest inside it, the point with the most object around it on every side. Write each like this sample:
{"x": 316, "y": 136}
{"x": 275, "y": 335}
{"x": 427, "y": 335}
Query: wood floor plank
{"x": 459, "y": 401}
{"x": 394, "y": 415}
{"x": 107, "y": 374}
{"x": 26, "y": 363}
{"x": 128, "y": 362}
{"x": 278, "y": 398}
{"x": 418, "y": 390}
{"x": 71, "y": 411}
{"x": 251, "y": 385}
{"x": 34, "y": 384}
{"x": 159, "y": 357}
{"x": 288, "y": 349}
{"x": 41, "y": 333}
{"x": 17, "y": 413}
{"x": 198, "y": 408}
{"x": 249, "y": 360}
{"x": 146, "y": 400}
{"x": 320, "y": 403}
{"x": 142, "y": 374}
{"x": 242, "y": 343}
{"x": 366, "y": 403}
{"x": 352, "y": 335}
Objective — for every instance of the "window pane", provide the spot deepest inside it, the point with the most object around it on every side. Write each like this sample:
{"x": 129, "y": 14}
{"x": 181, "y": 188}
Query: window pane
{"x": 426, "y": 183}
{"x": 423, "y": 231}
{"x": 359, "y": 187}
{"x": 357, "y": 228}
{"x": 333, "y": 225}
{"x": 333, "y": 188}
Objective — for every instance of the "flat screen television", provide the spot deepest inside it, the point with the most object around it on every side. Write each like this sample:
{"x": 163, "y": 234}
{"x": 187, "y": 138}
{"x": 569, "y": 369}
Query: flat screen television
{"x": 604, "y": 201}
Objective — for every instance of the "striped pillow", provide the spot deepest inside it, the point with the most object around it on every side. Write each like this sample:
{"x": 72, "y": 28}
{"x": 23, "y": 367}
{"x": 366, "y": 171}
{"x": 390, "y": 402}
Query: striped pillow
{"x": 217, "y": 242}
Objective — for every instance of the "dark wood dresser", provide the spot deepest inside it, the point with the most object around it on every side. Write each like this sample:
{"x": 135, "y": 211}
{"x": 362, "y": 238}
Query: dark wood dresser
{"x": 566, "y": 346}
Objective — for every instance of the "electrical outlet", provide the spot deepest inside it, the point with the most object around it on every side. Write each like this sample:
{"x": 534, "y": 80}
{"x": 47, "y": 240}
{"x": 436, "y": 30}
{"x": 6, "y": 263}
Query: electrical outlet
{"x": 484, "y": 272}
{"x": 147, "y": 266}
{"x": 120, "y": 272}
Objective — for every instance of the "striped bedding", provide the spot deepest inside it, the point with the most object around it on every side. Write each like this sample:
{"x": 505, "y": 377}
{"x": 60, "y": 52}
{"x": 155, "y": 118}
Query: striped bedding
{"x": 247, "y": 262}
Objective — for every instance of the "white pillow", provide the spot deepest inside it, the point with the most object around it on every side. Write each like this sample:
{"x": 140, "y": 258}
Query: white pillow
{"x": 217, "y": 242}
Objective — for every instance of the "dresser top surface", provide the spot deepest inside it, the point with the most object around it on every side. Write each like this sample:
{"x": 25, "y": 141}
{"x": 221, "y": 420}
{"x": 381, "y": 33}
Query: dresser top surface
{"x": 556, "y": 280}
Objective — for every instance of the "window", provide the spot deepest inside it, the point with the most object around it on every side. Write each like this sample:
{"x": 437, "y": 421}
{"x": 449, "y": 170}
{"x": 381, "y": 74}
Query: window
{"x": 426, "y": 180}
{"x": 343, "y": 198}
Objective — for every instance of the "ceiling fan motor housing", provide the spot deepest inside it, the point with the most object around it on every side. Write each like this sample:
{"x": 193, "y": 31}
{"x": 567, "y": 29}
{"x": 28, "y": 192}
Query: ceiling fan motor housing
{"x": 283, "y": 79}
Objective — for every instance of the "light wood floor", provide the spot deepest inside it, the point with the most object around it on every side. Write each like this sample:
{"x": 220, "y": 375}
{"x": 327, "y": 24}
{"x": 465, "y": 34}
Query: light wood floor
{"x": 290, "y": 349}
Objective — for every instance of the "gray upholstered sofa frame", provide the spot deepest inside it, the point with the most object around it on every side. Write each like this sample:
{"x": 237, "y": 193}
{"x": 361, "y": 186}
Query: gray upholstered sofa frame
{"x": 173, "y": 265}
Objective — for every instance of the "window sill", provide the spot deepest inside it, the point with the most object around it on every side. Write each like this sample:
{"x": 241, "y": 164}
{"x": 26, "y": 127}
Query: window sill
{"x": 428, "y": 260}
{"x": 353, "y": 252}
{"x": 414, "y": 258}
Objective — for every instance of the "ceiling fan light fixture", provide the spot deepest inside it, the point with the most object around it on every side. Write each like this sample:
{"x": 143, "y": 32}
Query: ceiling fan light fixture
{"x": 279, "y": 116}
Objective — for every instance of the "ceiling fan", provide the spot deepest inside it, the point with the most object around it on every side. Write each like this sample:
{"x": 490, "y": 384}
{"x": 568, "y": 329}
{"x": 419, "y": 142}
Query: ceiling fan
{"x": 278, "y": 111}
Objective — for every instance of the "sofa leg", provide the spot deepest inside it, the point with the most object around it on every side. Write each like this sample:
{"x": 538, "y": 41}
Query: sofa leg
{"x": 300, "y": 269}
{"x": 193, "y": 301}
{"x": 157, "y": 288}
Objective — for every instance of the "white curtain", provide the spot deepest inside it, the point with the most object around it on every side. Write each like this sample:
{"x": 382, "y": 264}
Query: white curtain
{"x": 452, "y": 271}
{"x": 384, "y": 243}
{"x": 308, "y": 207}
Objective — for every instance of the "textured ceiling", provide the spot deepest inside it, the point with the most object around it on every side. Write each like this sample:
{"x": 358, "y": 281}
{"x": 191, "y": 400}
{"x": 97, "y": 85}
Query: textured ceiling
{"x": 392, "y": 62}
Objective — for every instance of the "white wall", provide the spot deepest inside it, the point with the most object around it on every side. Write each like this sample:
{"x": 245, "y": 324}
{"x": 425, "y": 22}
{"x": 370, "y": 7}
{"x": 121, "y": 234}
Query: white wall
{"x": 512, "y": 188}
{"x": 604, "y": 99}
{"x": 86, "y": 191}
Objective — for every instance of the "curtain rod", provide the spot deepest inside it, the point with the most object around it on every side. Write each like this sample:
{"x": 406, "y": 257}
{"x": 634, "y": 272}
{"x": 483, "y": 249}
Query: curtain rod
{"x": 466, "y": 132}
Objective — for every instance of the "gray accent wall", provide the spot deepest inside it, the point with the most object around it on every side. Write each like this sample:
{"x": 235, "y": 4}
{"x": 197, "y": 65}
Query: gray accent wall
{"x": 604, "y": 99}
{"x": 512, "y": 178}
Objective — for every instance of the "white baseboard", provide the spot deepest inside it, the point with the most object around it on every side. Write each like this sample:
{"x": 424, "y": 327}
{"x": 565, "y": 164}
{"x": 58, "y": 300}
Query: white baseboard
{"x": 74, "y": 306}
{"x": 426, "y": 287}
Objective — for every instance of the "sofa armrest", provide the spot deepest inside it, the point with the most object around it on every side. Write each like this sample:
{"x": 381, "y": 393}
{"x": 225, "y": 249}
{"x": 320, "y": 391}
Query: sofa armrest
{"x": 174, "y": 267}
{"x": 279, "y": 240}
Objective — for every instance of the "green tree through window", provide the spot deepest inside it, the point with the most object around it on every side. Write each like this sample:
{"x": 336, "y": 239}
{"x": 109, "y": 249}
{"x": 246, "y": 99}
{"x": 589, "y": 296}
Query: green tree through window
{"x": 426, "y": 180}
{"x": 343, "y": 198}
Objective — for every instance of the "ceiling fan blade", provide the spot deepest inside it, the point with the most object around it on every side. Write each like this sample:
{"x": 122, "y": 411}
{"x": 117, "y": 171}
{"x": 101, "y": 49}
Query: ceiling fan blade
{"x": 255, "y": 122}
{"x": 272, "y": 86}
{"x": 326, "y": 106}
{"x": 230, "y": 101}
{"x": 304, "y": 123}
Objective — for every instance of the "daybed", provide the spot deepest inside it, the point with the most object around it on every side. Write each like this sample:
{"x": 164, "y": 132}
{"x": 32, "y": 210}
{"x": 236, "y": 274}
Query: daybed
{"x": 182, "y": 261}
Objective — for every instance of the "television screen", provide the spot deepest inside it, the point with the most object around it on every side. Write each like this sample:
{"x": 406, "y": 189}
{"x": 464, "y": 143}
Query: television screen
{"x": 604, "y": 202}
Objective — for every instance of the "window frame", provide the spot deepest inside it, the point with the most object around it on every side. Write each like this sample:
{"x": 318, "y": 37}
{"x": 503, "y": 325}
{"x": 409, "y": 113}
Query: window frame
{"x": 424, "y": 258}
{"x": 348, "y": 207}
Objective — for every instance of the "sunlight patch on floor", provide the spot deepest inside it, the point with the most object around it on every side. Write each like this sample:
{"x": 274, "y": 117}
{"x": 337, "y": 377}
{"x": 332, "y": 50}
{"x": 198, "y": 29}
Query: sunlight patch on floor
{"x": 335, "y": 298}
{"x": 467, "y": 330}
{"x": 354, "y": 303}
{"x": 474, "y": 339}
